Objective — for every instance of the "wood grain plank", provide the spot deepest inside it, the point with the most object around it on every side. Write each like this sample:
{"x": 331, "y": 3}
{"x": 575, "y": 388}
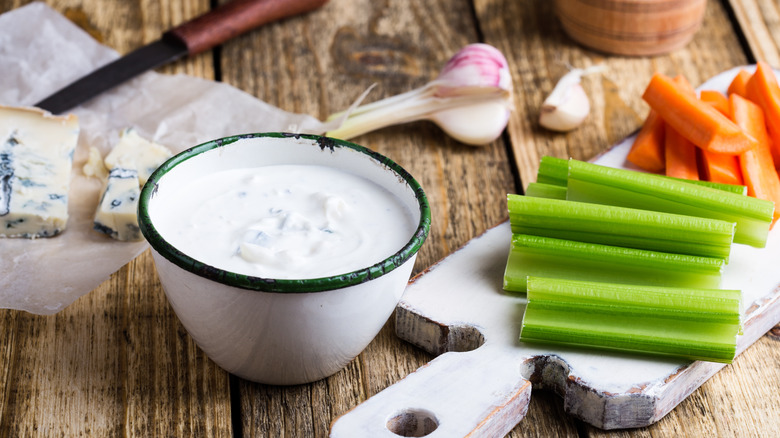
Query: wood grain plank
{"x": 759, "y": 20}
{"x": 117, "y": 361}
{"x": 56, "y": 368}
{"x": 7, "y": 357}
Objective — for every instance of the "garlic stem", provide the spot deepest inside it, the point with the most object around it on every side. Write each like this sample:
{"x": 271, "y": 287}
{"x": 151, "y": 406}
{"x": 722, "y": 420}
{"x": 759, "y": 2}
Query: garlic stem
{"x": 422, "y": 107}
{"x": 389, "y": 101}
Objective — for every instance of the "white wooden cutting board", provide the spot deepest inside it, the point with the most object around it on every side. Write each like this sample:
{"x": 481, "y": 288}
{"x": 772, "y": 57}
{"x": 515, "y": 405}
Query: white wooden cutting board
{"x": 479, "y": 385}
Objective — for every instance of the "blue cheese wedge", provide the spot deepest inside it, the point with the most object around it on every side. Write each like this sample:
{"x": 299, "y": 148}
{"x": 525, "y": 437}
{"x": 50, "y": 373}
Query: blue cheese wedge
{"x": 36, "y": 157}
{"x": 116, "y": 213}
{"x": 130, "y": 164}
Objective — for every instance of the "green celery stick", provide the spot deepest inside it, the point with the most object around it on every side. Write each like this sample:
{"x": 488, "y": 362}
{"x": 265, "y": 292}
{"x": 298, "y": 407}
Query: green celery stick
{"x": 554, "y": 170}
{"x": 739, "y": 190}
{"x": 699, "y": 324}
{"x": 606, "y": 185}
{"x": 566, "y": 259}
{"x": 542, "y": 190}
{"x": 620, "y": 226}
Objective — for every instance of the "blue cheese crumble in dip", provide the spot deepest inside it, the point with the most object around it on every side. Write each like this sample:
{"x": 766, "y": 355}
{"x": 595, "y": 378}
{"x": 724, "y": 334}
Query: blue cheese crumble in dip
{"x": 288, "y": 222}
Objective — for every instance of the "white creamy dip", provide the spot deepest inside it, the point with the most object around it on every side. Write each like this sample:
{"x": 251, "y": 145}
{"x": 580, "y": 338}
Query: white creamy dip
{"x": 287, "y": 221}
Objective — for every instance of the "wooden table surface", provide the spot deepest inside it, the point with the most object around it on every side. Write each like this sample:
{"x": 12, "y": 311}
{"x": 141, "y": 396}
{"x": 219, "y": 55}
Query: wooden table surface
{"x": 118, "y": 362}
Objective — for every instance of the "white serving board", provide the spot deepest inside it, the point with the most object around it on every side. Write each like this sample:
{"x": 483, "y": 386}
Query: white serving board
{"x": 479, "y": 385}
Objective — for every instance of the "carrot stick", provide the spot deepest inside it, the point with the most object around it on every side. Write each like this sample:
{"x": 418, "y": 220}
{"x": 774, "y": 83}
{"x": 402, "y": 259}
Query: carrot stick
{"x": 715, "y": 167}
{"x": 722, "y": 168}
{"x": 739, "y": 84}
{"x": 758, "y": 169}
{"x": 647, "y": 152}
{"x": 762, "y": 88}
{"x": 718, "y": 101}
{"x": 695, "y": 120}
{"x": 680, "y": 155}
{"x": 685, "y": 86}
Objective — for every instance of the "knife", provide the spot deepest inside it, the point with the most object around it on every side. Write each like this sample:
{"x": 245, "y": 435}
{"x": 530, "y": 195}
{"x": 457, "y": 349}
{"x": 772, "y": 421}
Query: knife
{"x": 195, "y": 36}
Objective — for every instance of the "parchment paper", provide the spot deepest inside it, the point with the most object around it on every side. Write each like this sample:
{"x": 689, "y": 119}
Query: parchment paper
{"x": 40, "y": 52}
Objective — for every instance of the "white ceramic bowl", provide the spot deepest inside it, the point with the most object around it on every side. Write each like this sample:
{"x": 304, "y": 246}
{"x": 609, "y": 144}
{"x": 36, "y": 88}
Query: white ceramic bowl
{"x": 280, "y": 331}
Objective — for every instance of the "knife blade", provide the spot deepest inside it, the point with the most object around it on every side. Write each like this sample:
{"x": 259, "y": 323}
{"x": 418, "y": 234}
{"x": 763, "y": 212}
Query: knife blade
{"x": 190, "y": 38}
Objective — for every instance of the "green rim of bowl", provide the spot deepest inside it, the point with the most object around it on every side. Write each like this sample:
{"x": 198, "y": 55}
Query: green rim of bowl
{"x": 249, "y": 282}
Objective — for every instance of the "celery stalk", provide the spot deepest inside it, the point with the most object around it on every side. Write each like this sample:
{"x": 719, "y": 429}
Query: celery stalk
{"x": 554, "y": 170}
{"x": 738, "y": 190}
{"x": 565, "y": 259}
{"x": 606, "y": 185}
{"x": 699, "y": 324}
{"x": 542, "y": 190}
{"x": 620, "y": 226}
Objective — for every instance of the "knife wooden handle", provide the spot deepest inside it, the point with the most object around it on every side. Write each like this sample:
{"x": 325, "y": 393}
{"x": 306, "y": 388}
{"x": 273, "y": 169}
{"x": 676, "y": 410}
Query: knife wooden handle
{"x": 234, "y": 18}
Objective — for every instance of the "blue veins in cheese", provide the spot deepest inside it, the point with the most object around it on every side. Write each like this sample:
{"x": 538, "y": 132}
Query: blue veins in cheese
{"x": 36, "y": 157}
{"x": 116, "y": 213}
{"x": 129, "y": 164}
{"x": 136, "y": 152}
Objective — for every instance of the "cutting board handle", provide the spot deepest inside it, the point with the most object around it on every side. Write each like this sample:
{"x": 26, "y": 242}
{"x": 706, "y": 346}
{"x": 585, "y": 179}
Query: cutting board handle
{"x": 479, "y": 393}
{"x": 233, "y": 19}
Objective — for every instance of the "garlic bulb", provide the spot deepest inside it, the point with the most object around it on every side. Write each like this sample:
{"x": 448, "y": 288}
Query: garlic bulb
{"x": 478, "y": 124}
{"x": 568, "y": 105}
{"x": 470, "y": 100}
{"x": 473, "y": 70}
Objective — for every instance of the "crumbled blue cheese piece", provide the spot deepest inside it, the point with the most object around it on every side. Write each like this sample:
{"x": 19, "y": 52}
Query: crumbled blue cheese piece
{"x": 36, "y": 157}
{"x": 130, "y": 164}
{"x": 136, "y": 152}
{"x": 116, "y": 213}
{"x": 94, "y": 166}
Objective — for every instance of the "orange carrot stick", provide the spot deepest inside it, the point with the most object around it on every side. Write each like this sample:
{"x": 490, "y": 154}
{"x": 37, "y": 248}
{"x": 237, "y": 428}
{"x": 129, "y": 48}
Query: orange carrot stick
{"x": 680, "y": 155}
{"x": 722, "y": 168}
{"x": 695, "y": 120}
{"x": 718, "y": 101}
{"x": 762, "y": 88}
{"x": 685, "y": 86}
{"x": 739, "y": 84}
{"x": 758, "y": 169}
{"x": 715, "y": 167}
{"x": 647, "y": 152}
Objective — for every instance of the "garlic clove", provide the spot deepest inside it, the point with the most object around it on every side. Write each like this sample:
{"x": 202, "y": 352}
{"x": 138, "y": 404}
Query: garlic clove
{"x": 566, "y": 113}
{"x": 568, "y": 105}
{"x": 476, "y": 125}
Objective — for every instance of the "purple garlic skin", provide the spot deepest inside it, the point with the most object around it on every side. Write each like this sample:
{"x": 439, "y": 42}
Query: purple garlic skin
{"x": 476, "y": 66}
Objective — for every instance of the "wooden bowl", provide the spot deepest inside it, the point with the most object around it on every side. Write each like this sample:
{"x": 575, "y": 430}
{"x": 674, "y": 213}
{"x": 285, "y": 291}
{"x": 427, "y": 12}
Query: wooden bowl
{"x": 631, "y": 27}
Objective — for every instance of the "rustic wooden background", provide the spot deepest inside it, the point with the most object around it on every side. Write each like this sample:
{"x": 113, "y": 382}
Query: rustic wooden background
{"x": 117, "y": 362}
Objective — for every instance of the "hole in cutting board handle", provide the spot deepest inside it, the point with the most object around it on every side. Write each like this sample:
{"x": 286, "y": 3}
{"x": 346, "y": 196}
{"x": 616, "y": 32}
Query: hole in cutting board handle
{"x": 413, "y": 423}
{"x": 433, "y": 337}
